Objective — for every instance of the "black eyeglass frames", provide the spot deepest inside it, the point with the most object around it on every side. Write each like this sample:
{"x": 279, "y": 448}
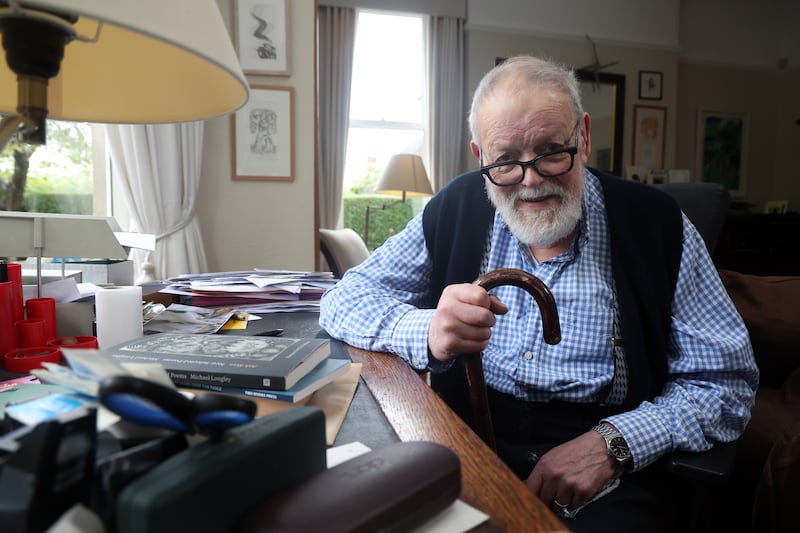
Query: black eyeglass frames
{"x": 548, "y": 165}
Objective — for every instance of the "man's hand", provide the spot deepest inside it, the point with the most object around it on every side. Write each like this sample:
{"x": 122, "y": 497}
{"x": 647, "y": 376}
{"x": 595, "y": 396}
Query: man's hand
{"x": 463, "y": 321}
{"x": 572, "y": 473}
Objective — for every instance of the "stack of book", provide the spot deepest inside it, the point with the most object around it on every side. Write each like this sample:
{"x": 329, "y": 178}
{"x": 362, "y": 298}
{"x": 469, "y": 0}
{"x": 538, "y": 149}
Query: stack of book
{"x": 275, "y": 368}
{"x": 261, "y": 291}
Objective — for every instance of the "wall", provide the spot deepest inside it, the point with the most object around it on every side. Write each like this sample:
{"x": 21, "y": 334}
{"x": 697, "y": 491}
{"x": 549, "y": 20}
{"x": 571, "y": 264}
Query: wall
{"x": 272, "y": 224}
{"x": 747, "y": 61}
{"x": 483, "y": 46}
{"x": 265, "y": 224}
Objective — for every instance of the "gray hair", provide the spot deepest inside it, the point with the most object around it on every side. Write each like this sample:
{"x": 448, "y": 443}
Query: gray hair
{"x": 526, "y": 71}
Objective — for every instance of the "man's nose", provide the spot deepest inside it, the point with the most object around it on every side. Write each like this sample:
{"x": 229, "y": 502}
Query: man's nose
{"x": 530, "y": 176}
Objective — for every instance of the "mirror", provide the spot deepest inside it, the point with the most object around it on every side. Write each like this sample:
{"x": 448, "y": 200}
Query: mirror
{"x": 604, "y": 99}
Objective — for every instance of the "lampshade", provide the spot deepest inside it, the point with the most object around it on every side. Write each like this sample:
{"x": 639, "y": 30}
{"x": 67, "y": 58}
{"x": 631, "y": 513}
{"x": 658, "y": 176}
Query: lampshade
{"x": 125, "y": 61}
{"x": 405, "y": 176}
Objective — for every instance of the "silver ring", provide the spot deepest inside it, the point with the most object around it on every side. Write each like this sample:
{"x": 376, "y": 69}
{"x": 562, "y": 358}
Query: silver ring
{"x": 560, "y": 505}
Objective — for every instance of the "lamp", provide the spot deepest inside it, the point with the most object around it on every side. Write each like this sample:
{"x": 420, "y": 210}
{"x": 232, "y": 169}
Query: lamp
{"x": 404, "y": 176}
{"x": 148, "y": 61}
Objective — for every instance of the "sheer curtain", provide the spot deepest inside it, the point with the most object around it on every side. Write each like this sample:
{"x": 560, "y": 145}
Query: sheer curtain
{"x": 157, "y": 168}
{"x": 446, "y": 113}
{"x": 335, "y": 44}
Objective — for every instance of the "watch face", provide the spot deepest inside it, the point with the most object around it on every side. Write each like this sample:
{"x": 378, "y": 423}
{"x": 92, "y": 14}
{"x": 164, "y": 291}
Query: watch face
{"x": 619, "y": 449}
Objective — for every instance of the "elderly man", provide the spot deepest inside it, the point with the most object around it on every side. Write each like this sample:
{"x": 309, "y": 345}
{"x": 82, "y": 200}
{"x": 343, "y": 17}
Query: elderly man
{"x": 654, "y": 356}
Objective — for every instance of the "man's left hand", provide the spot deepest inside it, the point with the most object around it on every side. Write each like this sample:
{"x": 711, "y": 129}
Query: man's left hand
{"x": 570, "y": 474}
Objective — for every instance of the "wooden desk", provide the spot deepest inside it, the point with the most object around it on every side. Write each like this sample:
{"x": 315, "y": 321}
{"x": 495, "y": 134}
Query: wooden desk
{"x": 415, "y": 413}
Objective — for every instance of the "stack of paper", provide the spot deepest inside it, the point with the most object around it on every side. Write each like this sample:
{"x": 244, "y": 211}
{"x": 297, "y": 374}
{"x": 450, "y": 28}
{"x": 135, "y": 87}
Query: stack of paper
{"x": 260, "y": 291}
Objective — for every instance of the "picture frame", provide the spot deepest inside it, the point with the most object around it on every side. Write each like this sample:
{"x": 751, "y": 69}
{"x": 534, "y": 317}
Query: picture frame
{"x": 261, "y": 36}
{"x": 776, "y": 207}
{"x": 651, "y": 85}
{"x": 722, "y": 148}
{"x": 262, "y": 135}
{"x": 649, "y": 136}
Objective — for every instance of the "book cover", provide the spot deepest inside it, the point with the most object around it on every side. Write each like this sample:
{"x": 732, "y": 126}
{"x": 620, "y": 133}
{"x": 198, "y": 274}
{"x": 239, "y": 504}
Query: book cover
{"x": 227, "y": 360}
{"x": 321, "y": 375}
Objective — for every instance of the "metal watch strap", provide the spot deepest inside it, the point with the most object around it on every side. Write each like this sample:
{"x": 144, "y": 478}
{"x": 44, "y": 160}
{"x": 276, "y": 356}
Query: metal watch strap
{"x": 609, "y": 433}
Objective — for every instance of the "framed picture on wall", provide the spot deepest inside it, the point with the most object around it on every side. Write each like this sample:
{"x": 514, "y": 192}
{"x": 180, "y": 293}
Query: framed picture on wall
{"x": 262, "y": 134}
{"x": 261, "y": 30}
{"x": 650, "y": 85}
{"x": 722, "y": 149}
{"x": 649, "y": 136}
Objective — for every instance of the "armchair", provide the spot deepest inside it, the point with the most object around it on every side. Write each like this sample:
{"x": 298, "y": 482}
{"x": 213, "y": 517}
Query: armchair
{"x": 342, "y": 249}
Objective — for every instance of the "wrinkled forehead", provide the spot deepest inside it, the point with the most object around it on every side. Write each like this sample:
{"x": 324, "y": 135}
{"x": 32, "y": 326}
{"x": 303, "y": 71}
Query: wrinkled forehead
{"x": 514, "y": 104}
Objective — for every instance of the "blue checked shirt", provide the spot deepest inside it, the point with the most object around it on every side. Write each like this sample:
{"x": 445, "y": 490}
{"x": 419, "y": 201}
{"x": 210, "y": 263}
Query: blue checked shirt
{"x": 384, "y": 305}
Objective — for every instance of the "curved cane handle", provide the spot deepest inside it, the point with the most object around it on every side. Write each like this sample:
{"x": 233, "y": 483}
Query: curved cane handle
{"x": 551, "y": 331}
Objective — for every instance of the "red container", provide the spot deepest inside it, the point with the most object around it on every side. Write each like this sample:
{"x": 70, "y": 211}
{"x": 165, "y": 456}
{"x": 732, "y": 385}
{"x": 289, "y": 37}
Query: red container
{"x": 17, "y": 303}
{"x": 30, "y": 332}
{"x": 78, "y": 341}
{"x": 8, "y": 332}
{"x": 44, "y": 308}
{"x": 23, "y": 360}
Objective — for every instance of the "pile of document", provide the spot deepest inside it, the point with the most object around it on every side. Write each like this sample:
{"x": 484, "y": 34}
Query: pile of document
{"x": 259, "y": 291}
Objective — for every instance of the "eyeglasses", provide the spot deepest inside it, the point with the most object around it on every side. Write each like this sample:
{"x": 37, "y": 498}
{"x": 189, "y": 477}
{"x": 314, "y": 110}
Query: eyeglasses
{"x": 548, "y": 165}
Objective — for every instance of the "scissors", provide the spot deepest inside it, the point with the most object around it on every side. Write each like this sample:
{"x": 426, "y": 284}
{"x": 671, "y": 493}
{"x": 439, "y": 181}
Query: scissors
{"x": 152, "y": 404}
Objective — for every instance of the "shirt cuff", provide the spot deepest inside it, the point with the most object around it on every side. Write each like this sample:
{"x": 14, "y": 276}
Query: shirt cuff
{"x": 648, "y": 439}
{"x": 410, "y": 337}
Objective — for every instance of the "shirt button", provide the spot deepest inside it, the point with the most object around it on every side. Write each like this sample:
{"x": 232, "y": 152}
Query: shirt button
{"x": 528, "y": 355}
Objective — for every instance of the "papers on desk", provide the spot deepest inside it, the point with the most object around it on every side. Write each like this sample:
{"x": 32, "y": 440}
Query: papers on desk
{"x": 257, "y": 290}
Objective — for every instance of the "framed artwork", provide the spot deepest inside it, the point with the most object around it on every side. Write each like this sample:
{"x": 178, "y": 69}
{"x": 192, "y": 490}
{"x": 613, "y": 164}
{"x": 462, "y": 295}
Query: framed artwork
{"x": 261, "y": 36}
{"x": 776, "y": 207}
{"x": 262, "y": 135}
{"x": 650, "y": 85}
{"x": 722, "y": 149}
{"x": 649, "y": 136}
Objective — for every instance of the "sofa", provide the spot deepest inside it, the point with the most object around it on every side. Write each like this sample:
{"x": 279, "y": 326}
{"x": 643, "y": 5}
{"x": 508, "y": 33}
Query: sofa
{"x": 764, "y": 487}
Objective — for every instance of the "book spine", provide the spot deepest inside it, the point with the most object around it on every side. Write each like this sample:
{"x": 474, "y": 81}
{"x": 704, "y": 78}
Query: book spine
{"x": 238, "y": 391}
{"x": 223, "y": 379}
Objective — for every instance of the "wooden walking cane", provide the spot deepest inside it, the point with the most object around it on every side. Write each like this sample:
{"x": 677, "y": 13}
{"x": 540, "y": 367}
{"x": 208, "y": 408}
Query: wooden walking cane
{"x": 551, "y": 331}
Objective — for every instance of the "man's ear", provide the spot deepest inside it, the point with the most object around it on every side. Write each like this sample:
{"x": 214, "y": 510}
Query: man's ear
{"x": 475, "y": 149}
{"x": 586, "y": 147}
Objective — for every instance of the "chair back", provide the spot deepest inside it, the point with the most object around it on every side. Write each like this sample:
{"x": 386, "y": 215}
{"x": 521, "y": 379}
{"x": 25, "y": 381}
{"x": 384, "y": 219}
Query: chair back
{"x": 342, "y": 249}
{"x": 705, "y": 204}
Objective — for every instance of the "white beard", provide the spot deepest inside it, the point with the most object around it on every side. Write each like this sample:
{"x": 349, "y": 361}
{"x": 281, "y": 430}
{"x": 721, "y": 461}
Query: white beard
{"x": 544, "y": 228}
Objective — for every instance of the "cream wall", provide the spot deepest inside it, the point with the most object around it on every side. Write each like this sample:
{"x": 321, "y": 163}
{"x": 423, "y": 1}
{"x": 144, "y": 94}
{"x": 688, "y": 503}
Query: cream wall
{"x": 265, "y": 224}
{"x": 272, "y": 224}
{"x": 483, "y": 46}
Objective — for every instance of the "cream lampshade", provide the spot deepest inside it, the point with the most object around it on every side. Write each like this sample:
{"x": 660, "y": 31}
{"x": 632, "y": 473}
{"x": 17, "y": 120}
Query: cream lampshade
{"x": 115, "y": 61}
{"x": 404, "y": 176}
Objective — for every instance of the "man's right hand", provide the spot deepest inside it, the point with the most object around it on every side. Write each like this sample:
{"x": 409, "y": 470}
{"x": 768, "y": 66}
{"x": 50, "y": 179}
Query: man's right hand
{"x": 463, "y": 321}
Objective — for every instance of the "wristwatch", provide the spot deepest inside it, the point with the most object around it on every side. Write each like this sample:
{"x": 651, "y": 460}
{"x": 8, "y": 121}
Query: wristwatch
{"x": 615, "y": 443}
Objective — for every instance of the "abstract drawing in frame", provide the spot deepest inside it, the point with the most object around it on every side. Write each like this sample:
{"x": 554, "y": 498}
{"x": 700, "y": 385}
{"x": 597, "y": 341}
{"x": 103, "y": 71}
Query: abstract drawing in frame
{"x": 261, "y": 36}
{"x": 262, "y": 134}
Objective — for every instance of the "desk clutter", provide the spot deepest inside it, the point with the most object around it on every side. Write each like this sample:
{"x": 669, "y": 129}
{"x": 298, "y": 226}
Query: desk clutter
{"x": 119, "y": 440}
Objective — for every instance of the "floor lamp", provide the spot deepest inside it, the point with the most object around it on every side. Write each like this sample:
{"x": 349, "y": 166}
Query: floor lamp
{"x": 404, "y": 176}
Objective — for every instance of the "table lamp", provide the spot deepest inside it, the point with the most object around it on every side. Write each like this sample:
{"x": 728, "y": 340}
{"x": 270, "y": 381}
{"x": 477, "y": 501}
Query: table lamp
{"x": 114, "y": 61}
{"x": 404, "y": 176}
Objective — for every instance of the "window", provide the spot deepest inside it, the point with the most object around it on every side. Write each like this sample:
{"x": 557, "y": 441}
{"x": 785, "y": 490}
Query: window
{"x": 387, "y": 115}
{"x": 66, "y": 175}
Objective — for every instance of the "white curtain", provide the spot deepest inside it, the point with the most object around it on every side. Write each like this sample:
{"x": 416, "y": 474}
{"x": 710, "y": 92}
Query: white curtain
{"x": 446, "y": 113}
{"x": 335, "y": 44}
{"x": 157, "y": 169}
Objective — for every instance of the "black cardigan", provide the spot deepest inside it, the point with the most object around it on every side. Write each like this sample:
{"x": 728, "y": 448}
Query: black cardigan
{"x": 646, "y": 236}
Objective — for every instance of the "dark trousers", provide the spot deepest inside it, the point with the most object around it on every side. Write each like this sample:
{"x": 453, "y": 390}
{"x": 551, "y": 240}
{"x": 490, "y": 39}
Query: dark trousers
{"x": 645, "y": 501}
